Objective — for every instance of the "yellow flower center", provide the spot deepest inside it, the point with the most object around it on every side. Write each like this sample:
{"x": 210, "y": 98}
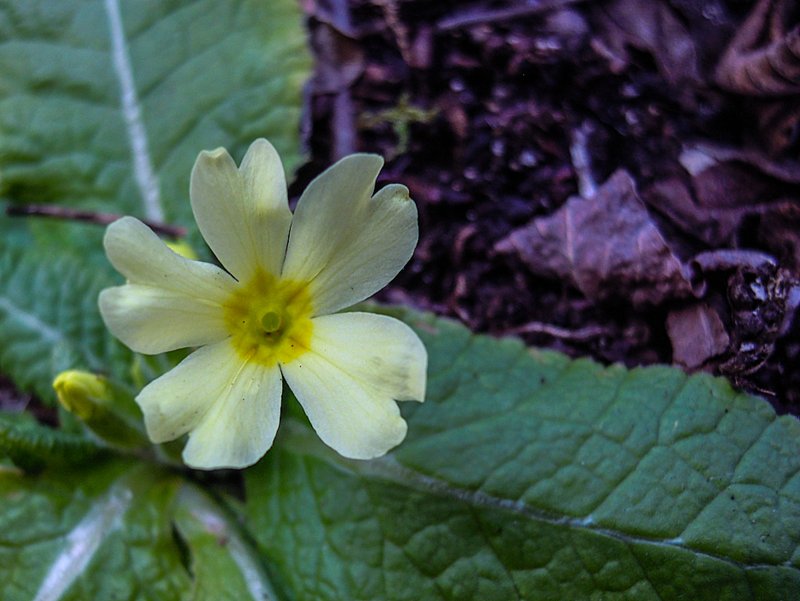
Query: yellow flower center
{"x": 269, "y": 319}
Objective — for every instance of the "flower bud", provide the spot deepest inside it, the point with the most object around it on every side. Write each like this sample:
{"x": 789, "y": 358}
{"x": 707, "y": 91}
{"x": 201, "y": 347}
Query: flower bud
{"x": 182, "y": 248}
{"x": 105, "y": 409}
{"x": 82, "y": 393}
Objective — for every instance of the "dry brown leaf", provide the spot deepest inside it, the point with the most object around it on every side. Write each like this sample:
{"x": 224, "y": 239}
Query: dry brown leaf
{"x": 654, "y": 28}
{"x": 606, "y": 245}
{"x": 722, "y": 189}
{"x": 698, "y": 157}
{"x": 754, "y": 66}
{"x": 697, "y": 334}
{"x": 674, "y": 199}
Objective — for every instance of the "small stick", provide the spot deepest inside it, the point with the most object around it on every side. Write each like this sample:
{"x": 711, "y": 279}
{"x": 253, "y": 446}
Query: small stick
{"x": 537, "y": 327}
{"x": 468, "y": 18}
{"x": 582, "y": 160}
{"x": 68, "y": 214}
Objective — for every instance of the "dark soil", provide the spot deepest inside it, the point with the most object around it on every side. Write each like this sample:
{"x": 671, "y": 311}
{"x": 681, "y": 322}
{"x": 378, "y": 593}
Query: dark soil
{"x": 495, "y": 113}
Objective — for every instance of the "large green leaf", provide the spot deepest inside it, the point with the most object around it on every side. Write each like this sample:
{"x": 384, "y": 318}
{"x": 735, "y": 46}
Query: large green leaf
{"x": 31, "y": 445}
{"x": 49, "y": 321}
{"x": 123, "y": 532}
{"x": 104, "y": 104}
{"x": 224, "y": 566}
{"x": 526, "y": 475}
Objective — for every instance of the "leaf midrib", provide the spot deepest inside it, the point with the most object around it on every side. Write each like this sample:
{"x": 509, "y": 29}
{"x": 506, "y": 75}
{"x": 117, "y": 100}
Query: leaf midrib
{"x": 300, "y": 440}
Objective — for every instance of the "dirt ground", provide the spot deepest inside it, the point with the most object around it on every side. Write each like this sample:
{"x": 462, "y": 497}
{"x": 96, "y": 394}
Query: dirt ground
{"x": 616, "y": 179}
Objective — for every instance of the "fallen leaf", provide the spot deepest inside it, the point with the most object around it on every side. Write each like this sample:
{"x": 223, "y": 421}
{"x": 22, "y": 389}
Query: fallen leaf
{"x": 696, "y": 157}
{"x": 673, "y": 198}
{"x": 763, "y": 59}
{"x": 722, "y": 190}
{"x": 779, "y": 231}
{"x": 653, "y": 27}
{"x": 697, "y": 334}
{"x": 606, "y": 245}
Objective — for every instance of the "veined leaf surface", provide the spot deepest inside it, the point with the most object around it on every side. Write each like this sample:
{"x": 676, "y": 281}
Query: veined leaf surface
{"x": 104, "y": 105}
{"x": 527, "y": 475}
{"x": 49, "y": 321}
{"x": 115, "y": 530}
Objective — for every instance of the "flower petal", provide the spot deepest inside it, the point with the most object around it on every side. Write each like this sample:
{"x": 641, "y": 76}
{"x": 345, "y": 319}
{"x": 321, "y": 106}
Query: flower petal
{"x": 143, "y": 258}
{"x": 176, "y": 402}
{"x": 153, "y": 320}
{"x": 346, "y": 244}
{"x": 359, "y": 365}
{"x": 242, "y": 213}
{"x": 230, "y": 408}
{"x": 171, "y": 302}
{"x": 241, "y": 424}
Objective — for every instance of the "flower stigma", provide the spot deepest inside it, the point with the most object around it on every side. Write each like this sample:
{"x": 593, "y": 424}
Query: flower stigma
{"x": 269, "y": 319}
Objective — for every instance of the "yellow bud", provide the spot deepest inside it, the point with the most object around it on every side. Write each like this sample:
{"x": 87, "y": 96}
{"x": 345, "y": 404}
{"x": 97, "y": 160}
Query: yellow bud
{"x": 82, "y": 393}
{"x": 106, "y": 409}
{"x": 181, "y": 248}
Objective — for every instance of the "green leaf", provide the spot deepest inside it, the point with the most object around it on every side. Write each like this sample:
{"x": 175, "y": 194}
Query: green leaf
{"x": 526, "y": 475}
{"x": 31, "y": 445}
{"x": 97, "y": 533}
{"x": 120, "y": 531}
{"x": 104, "y": 105}
{"x": 49, "y": 321}
{"x": 235, "y": 574}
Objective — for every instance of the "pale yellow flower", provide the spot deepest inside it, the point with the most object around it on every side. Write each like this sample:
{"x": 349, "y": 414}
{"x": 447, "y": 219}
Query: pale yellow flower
{"x": 270, "y": 316}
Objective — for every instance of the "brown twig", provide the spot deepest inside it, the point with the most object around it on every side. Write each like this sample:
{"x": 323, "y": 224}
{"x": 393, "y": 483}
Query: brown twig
{"x": 469, "y": 18}
{"x": 68, "y": 214}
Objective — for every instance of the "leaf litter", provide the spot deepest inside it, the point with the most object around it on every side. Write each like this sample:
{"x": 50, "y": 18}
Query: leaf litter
{"x": 586, "y": 178}
{"x": 606, "y": 245}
